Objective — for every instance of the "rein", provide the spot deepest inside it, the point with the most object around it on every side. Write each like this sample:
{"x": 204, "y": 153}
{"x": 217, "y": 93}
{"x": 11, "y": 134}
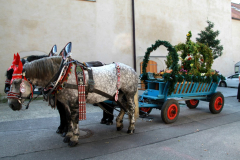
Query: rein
{"x": 56, "y": 76}
{"x": 7, "y": 81}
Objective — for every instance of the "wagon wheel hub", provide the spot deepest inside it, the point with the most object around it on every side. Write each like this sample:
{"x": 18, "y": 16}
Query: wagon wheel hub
{"x": 218, "y": 103}
{"x": 173, "y": 112}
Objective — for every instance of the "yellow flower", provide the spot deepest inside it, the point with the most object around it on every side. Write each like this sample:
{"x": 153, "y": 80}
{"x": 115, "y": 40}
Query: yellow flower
{"x": 188, "y": 34}
{"x": 191, "y": 64}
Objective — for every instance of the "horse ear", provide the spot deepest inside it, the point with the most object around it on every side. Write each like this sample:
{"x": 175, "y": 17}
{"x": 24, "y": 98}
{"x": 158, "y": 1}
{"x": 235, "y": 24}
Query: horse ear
{"x": 53, "y": 51}
{"x": 18, "y": 70}
{"x": 66, "y": 50}
{"x": 68, "y": 47}
{"x": 16, "y": 59}
{"x": 20, "y": 66}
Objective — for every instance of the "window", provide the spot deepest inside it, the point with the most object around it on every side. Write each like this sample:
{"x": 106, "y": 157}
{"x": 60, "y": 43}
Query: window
{"x": 236, "y": 69}
{"x": 90, "y": 0}
{"x": 235, "y": 76}
{"x": 151, "y": 67}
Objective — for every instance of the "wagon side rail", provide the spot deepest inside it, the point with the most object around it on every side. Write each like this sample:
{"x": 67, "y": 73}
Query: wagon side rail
{"x": 191, "y": 89}
{"x": 157, "y": 90}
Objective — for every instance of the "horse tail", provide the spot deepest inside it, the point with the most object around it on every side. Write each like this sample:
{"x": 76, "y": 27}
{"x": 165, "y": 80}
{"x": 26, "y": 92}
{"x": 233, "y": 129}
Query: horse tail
{"x": 136, "y": 114}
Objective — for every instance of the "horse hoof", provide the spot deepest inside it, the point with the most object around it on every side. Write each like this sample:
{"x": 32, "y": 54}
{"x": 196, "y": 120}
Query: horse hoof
{"x": 103, "y": 122}
{"x": 109, "y": 123}
{"x": 130, "y": 131}
{"x": 59, "y": 131}
{"x": 66, "y": 139}
{"x": 119, "y": 128}
{"x": 72, "y": 143}
{"x": 64, "y": 134}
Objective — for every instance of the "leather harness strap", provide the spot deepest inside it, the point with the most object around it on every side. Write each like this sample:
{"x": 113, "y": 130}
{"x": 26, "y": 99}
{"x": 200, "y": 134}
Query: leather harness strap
{"x": 90, "y": 80}
{"x": 118, "y": 81}
{"x": 80, "y": 79}
{"x": 109, "y": 97}
{"x": 73, "y": 86}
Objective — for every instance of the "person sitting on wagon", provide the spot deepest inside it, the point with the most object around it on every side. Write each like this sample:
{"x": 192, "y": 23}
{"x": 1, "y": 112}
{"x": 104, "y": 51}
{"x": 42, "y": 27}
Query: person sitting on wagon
{"x": 238, "y": 93}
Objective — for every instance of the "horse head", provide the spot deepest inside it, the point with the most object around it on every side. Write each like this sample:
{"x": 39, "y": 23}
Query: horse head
{"x": 16, "y": 59}
{"x": 20, "y": 88}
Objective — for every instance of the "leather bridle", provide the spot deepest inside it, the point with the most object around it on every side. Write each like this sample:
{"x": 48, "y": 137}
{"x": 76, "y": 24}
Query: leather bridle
{"x": 14, "y": 95}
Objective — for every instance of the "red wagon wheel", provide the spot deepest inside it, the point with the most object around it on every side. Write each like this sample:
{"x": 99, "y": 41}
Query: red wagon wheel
{"x": 193, "y": 103}
{"x": 170, "y": 111}
{"x": 145, "y": 109}
{"x": 216, "y": 103}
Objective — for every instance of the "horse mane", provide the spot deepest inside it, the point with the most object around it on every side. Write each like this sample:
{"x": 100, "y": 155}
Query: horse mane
{"x": 32, "y": 58}
{"x": 43, "y": 68}
{"x": 35, "y": 57}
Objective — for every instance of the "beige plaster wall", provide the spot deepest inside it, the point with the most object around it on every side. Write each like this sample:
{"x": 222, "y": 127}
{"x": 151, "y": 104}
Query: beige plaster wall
{"x": 235, "y": 42}
{"x": 171, "y": 20}
{"x": 99, "y": 30}
{"x": 102, "y": 30}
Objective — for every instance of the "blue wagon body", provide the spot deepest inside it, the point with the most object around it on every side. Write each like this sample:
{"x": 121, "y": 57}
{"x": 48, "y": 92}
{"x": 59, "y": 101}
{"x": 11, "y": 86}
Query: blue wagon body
{"x": 157, "y": 90}
{"x": 156, "y": 96}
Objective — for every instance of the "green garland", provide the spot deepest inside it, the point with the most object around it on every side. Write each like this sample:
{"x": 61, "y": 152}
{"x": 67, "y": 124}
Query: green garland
{"x": 174, "y": 65}
{"x": 200, "y": 62}
{"x": 196, "y": 58}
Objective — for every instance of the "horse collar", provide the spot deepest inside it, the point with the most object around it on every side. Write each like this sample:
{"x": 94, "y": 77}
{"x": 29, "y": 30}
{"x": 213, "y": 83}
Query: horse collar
{"x": 55, "y": 83}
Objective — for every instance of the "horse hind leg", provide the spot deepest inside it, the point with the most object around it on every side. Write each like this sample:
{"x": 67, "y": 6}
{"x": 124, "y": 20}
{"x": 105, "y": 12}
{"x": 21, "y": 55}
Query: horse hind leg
{"x": 131, "y": 109}
{"x": 119, "y": 119}
{"x": 131, "y": 105}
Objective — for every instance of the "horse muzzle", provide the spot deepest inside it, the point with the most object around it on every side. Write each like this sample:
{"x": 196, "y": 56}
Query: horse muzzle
{"x": 14, "y": 104}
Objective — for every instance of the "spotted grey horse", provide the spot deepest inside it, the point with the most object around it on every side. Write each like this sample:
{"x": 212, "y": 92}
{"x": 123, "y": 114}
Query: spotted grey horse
{"x": 107, "y": 80}
{"x": 63, "y": 112}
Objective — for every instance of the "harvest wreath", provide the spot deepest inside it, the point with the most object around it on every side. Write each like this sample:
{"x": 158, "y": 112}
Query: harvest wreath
{"x": 196, "y": 62}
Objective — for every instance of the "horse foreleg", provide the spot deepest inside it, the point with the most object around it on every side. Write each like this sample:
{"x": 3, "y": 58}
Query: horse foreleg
{"x": 63, "y": 128}
{"x": 73, "y": 131}
{"x": 131, "y": 116}
{"x": 68, "y": 121}
{"x": 69, "y": 133}
{"x": 74, "y": 139}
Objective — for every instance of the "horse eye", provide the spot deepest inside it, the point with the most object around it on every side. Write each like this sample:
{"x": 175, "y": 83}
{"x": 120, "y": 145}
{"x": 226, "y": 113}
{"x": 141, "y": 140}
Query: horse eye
{"x": 16, "y": 82}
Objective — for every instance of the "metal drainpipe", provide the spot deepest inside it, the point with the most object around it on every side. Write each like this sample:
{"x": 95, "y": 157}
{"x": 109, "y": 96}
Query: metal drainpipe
{"x": 134, "y": 47}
